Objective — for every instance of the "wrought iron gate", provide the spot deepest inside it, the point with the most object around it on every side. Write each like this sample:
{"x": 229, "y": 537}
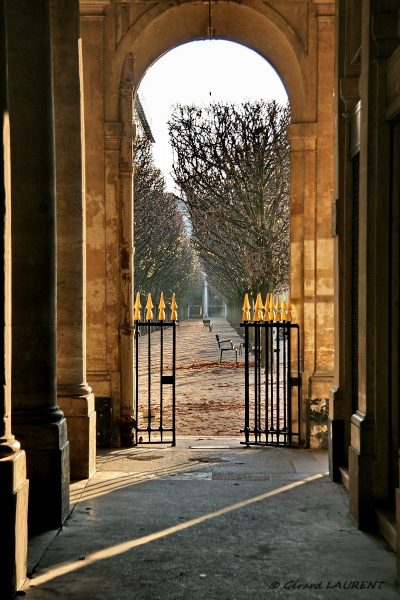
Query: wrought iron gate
{"x": 272, "y": 375}
{"x": 155, "y": 366}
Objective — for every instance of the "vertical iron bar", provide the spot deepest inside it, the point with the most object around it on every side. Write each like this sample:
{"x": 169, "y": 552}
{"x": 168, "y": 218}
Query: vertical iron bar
{"x": 290, "y": 384}
{"x": 256, "y": 350}
{"x": 285, "y": 335}
{"x": 136, "y": 381}
{"x": 149, "y": 381}
{"x": 299, "y": 383}
{"x": 278, "y": 381}
{"x": 266, "y": 381}
{"x": 161, "y": 383}
{"x": 173, "y": 380}
{"x": 246, "y": 384}
{"x": 271, "y": 425}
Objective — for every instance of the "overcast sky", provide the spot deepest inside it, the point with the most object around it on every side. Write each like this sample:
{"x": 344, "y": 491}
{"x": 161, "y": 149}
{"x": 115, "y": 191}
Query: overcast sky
{"x": 200, "y": 73}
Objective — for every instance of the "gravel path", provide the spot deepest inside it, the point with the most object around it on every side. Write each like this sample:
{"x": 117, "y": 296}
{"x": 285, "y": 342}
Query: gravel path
{"x": 209, "y": 395}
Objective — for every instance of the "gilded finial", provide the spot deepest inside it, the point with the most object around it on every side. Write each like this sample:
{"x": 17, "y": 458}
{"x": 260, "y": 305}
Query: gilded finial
{"x": 266, "y": 305}
{"x": 246, "y": 308}
{"x": 149, "y": 308}
{"x": 161, "y": 308}
{"x": 258, "y": 308}
{"x": 271, "y": 307}
{"x": 136, "y": 308}
{"x": 174, "y": 306}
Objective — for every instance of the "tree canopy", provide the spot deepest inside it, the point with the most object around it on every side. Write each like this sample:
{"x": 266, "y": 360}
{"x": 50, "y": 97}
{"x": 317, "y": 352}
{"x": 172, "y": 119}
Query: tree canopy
{"x": 164, "y": 259}
{"x": 232, "y": 165}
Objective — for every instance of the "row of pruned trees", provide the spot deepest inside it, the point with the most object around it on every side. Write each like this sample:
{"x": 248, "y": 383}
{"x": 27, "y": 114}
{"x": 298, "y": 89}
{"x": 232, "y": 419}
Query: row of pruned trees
{"x": 231, "y": 163}
{"x": 164, "y": 258}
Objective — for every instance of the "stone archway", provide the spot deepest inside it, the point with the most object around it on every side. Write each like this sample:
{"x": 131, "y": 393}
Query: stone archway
{"x": 120, "y": 42}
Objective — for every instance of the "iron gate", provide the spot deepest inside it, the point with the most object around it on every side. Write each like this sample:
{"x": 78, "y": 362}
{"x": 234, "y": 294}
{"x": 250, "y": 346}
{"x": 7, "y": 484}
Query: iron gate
{"x": 155, "y": 367}
{"x": 272, "y": 380}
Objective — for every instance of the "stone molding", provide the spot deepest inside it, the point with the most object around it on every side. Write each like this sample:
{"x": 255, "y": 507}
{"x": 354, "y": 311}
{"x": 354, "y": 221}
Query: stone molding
{"x": 93, "y": 8}
{"x": 302, "y": 136}
{"x": 112, "y": 135}
{"x": 324, "y": 8}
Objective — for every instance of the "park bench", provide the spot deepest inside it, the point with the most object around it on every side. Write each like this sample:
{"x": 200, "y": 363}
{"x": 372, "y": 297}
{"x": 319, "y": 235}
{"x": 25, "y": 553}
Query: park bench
{"x": 227, "y": 346}
{"x": 208, "y": 323}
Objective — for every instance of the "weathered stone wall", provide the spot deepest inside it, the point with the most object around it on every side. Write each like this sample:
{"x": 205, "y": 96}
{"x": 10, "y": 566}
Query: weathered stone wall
{"x": 120, "y": 42}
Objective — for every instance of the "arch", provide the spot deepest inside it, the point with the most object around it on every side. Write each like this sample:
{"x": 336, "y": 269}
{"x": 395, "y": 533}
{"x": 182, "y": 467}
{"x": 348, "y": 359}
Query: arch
{"x": 259, "y": 27}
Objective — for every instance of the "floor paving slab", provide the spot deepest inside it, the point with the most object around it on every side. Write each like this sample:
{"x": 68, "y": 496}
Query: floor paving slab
{"x": 211, "y": 523}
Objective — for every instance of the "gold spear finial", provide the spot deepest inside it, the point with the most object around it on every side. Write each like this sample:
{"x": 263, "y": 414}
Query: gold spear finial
{"x": 161, "y": 308}
{"x": 271, "y": 307}
{"x": 174, "y": 306}
{"x": 149, "y": 308}
{"x": 266, "y": 305}
{"x": 136, "y": 308}
{"x": 246, "y": 308}
{"x": 258, "y": 308}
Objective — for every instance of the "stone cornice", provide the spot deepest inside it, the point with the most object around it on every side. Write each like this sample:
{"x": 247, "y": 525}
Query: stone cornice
{"x": 324, "y": 8}
{"x": 112, "y": 135}
{"x": 93, "y": 8}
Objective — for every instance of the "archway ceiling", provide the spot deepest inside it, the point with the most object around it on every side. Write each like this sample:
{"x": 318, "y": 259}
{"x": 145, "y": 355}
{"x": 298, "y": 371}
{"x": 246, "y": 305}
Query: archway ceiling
{"x": 256, "y": 25}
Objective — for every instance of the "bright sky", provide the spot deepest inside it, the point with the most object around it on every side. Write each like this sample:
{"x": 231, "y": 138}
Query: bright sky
{"x": 200, "y": 73}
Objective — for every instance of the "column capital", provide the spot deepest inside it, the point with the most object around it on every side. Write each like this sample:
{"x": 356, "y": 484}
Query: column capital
{"x": 302, "y": 136}
{"x": 112, "y": 135}
{"x": 93, "y": 8}
{"x": 324, "y": 8}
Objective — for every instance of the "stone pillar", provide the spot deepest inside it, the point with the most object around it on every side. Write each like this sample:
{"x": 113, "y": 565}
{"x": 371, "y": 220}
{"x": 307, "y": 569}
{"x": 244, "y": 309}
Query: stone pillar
{"x": 102, "y": 323}
{"x": 75, "y": 397}
{"x": 362, "y": 451}
{"x": 112, "y": 143}
{"x": 126, "y": 254}
{"x": 13, "y": 482}
{"x": 303, "y": 141}
{"x": 340, "y": 399}
{"x": 38, "y": 422}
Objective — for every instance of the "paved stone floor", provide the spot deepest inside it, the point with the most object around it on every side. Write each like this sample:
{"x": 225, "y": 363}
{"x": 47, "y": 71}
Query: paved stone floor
{"x": 210, "y": 519}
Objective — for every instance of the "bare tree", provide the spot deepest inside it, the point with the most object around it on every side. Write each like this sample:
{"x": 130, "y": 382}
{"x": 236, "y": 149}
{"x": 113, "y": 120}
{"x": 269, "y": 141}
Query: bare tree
{"x": 164, "y": 259}
{"x": 232, "y": 165}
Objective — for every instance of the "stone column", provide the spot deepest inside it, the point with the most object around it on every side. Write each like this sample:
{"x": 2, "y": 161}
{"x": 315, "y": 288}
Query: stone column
{"x": 340, "y": 398}
{"x": 126, "y": 254}
{"x": 75, "y": 397}
{"x": 303, "y": 141}
{"x": 322, "y": 377}
{"x": 102, "y": 370}
{"x": 13, "y": 482}
{"x": 38, "y": 422}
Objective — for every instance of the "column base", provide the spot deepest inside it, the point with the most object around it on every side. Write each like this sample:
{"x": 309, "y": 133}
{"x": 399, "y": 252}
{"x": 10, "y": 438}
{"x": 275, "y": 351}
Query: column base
{"x": 335, "y": 447}
{"x": 398, "y": 530}
{"x": 47, "y": 458}
{"x": 81, "y": 421}
{"x": 338, "y": 451}
{"x": 13, "y": 522}
{"x": 361, "y": 470}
